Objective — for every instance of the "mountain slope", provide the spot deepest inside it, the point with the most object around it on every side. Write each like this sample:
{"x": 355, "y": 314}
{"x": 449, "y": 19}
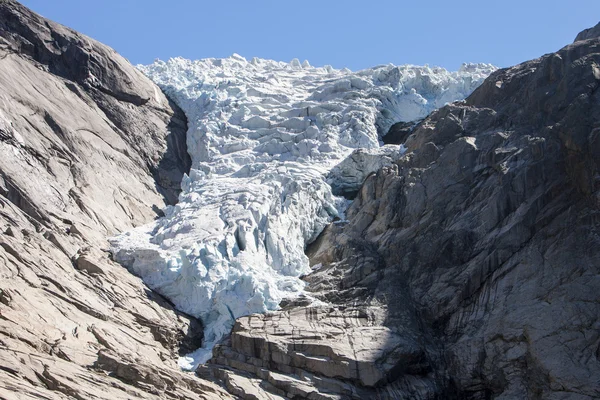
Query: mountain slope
{"x": 88, "y": 147}
{"x": 468, "y": 269}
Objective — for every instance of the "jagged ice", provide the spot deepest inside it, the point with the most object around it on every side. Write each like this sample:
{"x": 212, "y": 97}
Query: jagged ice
{"x": 270, "y": 143}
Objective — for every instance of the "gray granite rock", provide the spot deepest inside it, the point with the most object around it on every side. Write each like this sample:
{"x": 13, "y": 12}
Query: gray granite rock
{"x": 88, "y": 147}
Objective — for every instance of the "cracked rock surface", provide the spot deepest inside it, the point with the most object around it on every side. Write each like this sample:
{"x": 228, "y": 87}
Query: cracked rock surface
{"x": 88, "y": 147}
{"x": 469, "y": 269}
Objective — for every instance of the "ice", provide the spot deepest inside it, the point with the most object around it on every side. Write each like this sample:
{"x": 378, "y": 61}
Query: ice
{"x": 270, "y": 143}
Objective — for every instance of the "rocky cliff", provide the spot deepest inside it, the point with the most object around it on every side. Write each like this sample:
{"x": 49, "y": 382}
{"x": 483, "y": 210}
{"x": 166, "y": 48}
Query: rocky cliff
{"x": 88, "y": 147}
{"x": 470, "y": 269}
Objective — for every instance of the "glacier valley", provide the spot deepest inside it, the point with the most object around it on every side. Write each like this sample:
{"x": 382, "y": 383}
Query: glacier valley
{"x": 271, "y": 143}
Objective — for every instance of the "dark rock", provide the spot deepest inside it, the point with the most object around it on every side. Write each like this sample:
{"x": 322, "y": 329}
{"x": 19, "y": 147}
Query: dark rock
{"x": 488, "y": 226}
{"x": 476, "y": 255}
{"x": 398, "y": 133}
{"x": 590, "y": 33}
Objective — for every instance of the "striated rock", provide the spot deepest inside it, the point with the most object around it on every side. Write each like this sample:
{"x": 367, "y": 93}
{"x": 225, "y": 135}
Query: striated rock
{"x": 95, "y": 83}
{"x": 88, "y": 148}
{"x": 328, "y": 351}
{"x": 487, "y": 224}
{"x": 356, "y": 345}
{"x": 469, "y": 269}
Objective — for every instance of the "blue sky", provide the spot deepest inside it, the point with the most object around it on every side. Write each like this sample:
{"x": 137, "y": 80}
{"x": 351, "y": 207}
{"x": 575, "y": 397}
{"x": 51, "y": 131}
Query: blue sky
{"x": 350, "y": 33}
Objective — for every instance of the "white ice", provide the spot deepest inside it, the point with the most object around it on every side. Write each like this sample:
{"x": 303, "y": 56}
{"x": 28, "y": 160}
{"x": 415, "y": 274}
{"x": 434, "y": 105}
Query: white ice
{"x": 268, "y": 140}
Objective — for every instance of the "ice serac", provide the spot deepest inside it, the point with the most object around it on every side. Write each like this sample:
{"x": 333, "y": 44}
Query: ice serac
{"x": 272, "y": 144}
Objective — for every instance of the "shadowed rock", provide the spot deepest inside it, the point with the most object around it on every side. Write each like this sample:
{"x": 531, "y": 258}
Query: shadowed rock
{"x": 475, "y": 256}
{"x": 398, "y": 133}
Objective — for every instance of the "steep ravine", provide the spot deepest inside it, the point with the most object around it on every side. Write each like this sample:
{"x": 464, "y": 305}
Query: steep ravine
{"x": 89, "y": 147}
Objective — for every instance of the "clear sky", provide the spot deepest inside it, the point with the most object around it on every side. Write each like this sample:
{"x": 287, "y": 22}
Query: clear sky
{"x": 352, "y": 33}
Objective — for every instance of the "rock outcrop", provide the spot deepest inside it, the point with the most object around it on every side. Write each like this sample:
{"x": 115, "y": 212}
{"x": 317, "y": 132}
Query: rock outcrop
{"x": 589, "y": 33}
{"x": 88, "y": 147}
{"x": 469, "y": 269}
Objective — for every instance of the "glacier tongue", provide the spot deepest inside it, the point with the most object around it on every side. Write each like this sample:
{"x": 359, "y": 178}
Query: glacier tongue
{"x": 268, "y": 141}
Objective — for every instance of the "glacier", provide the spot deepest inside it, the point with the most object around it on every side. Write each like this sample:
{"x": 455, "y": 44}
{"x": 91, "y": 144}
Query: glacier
{"x": 270, "y": 142}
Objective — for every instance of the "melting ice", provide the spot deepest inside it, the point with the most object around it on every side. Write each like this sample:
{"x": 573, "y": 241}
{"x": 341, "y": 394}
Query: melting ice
{"x": 269, "y": 141}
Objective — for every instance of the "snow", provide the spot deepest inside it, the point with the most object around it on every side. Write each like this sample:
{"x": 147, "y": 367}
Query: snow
{"x": 270, "y": 143}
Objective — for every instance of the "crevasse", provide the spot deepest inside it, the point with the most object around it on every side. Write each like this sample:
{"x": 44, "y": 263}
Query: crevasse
{"x": 264, "y": 138}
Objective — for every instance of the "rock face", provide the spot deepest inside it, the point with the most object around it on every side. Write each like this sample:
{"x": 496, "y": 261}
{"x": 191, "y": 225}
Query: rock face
{"x": 590, "y": 33}
{"x": 88, "y": 148}
{"x": 398, "y": 133}
{"x": 469, "y": 269}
